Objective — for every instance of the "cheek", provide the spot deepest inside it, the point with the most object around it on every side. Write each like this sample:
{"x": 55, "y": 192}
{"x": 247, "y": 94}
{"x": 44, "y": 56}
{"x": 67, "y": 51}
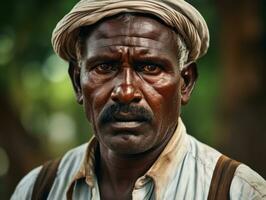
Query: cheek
{"x": 169, "y": 88}
{"x": 164, "y": 98}
{"x": 96, "y": 93}
{"x": 164, "y": 90}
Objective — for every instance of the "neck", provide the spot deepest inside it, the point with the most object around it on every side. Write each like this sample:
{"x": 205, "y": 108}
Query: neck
{"x": 120, "y": 172}
{"x": 126, "y": 167}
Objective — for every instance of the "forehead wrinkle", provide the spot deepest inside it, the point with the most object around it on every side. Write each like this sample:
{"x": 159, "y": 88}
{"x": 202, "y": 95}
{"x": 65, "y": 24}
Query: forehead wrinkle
{"x": 154, "y": 35}
{"x": 141, "y": 33}
{"x": 137, "y": 26}
{"x": 126, "y": 42}
{"x": 104, "y": 52}
{"x": 119, "y": 50}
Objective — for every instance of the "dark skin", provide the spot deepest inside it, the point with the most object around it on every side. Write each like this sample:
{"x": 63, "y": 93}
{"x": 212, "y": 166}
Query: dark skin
{"x": 130, "y": 64}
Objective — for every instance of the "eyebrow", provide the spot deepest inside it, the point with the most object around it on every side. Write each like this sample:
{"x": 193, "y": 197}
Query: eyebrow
{"x": 111, "y": 53}
{"x": 163, "y": 61}
{"x": 101, "y": 58}
{"x": 97, "y": 59}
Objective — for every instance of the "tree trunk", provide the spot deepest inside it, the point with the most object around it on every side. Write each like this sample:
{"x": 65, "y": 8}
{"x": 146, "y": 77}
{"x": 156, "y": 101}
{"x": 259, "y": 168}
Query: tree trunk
{"x": 243, "y": 113}
{"x": 22, "y": 149}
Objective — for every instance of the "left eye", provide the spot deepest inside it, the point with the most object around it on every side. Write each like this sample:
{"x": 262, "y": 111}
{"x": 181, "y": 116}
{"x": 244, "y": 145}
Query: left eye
{"x": 149, "y": 69}
{"x": 105, "y": 68}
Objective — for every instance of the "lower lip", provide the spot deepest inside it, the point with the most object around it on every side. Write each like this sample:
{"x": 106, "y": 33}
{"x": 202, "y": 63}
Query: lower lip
{"x": 126, "y": 125}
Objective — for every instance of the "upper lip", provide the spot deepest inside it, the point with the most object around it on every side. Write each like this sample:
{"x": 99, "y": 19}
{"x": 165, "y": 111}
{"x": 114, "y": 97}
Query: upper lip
{"x": 128, "y": 117}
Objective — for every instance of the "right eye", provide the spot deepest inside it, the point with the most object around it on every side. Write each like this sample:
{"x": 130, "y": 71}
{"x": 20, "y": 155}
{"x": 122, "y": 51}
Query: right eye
{"x": 105, "y": 68}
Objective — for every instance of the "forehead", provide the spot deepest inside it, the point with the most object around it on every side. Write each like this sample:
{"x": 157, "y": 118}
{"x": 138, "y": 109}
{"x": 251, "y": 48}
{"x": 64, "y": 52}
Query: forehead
{"x": 128, "y": 24}
{"x": 132, "y": 30}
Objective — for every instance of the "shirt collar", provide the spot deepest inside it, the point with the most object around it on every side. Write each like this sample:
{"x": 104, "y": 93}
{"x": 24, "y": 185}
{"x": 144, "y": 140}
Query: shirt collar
{"x": 164, "y": 168}
{"x": 160, "y": 172}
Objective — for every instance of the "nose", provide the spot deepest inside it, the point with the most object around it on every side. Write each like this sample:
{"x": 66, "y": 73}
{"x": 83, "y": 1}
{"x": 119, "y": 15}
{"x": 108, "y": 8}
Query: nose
{"x": 126, "y": 90}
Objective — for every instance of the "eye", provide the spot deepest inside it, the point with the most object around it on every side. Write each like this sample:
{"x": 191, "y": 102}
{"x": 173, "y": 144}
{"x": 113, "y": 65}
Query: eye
{"x": 105, "y": 68}
{"x": 150, "y": 69}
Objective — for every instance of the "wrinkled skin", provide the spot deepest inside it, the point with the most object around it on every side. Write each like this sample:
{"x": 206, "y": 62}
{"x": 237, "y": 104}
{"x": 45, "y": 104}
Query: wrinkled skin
{"x": 131, "y": 64}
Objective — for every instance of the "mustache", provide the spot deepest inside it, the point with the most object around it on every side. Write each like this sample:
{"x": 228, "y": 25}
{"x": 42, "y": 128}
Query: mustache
{"x": 133, "y": 113}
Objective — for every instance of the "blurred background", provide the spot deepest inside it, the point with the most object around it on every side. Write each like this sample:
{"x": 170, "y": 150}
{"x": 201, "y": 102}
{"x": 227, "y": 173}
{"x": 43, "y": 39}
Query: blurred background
{"x": 40, "y": 120}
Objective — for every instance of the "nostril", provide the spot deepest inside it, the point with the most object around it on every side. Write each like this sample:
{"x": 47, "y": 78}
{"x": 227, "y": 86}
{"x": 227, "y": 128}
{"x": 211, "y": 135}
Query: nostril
{"x": 137, "y": 96}
{"x": 114, "y": 95}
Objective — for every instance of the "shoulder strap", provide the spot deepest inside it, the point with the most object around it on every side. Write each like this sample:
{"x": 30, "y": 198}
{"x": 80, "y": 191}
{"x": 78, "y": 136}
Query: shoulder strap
{"x": 45, "y": 179}
{"x": 222, "y": 177}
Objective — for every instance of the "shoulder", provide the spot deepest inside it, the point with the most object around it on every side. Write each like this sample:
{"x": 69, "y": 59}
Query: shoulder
{"x": 25, "y": 186}
{"x": 247, "y": 184}
{"x": 68, "y": 167}
{"x": 203, "y": 155}
{"x": 72, "y": 160}
{"x": 198, "y": 167}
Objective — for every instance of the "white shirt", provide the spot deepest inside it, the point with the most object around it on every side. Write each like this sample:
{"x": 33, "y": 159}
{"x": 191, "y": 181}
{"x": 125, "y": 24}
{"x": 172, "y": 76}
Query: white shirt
{"x": 183, "y": 171}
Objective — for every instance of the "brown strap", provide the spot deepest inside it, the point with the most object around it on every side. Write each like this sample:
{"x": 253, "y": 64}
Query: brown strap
{"x": 222, "y": 177}
{"x": 45, "y": 179}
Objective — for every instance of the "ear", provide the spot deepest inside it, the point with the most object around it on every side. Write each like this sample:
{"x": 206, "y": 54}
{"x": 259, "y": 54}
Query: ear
{"x": 74, "y": 73}
{"x": 189, "y": 75}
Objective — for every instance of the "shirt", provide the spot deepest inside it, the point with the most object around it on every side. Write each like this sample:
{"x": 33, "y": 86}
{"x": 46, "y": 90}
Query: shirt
{"x": 182, "y": 171}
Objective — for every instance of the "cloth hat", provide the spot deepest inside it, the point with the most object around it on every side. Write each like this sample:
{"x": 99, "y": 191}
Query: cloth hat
{"x": 178, "y": 14}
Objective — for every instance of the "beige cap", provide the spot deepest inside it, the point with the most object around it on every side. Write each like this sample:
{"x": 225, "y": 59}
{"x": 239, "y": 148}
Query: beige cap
{"x": 178, "y": 14}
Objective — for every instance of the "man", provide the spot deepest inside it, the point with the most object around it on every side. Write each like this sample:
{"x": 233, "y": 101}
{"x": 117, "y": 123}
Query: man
{"x": 132, "y": 65}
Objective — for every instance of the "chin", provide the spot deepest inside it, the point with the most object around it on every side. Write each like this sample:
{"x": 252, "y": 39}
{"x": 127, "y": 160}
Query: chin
{"x": 128, "y": 144}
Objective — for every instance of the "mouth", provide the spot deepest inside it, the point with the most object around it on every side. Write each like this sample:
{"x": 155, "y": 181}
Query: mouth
{"x": 127, "y": 121}
{"x": 126, "y": 125}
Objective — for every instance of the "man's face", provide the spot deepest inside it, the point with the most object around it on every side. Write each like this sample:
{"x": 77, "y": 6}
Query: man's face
{"x": 130, "y": 84}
